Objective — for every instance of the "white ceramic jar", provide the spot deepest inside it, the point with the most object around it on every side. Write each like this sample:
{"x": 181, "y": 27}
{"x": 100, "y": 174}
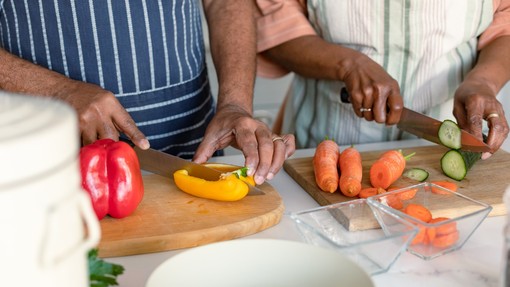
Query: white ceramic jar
{"x": 46, "y": 220}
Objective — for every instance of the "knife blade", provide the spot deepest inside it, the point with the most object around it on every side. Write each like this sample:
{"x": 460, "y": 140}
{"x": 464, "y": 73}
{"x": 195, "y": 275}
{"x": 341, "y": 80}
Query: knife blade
{"x": 166, "y": 164}
{"x": 427, "y": 128}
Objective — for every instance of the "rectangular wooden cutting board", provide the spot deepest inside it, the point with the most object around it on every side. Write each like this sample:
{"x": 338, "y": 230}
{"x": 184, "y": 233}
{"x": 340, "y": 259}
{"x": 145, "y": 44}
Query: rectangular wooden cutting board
{"x": 169, "y": 219}
{"x": 485, "y": 182}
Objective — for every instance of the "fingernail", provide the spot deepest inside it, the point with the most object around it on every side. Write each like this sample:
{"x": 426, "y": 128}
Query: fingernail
{"x": 144, "y": 144}
{"x": 486, "y": 155}
{"x": 251, "y": 171}
{"x": 259, "y": 179}
{"x": 270, "y": 176}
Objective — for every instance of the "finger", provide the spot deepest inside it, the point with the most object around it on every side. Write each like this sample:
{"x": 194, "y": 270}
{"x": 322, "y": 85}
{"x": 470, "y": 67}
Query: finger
{"x": 379, "y": 106}
{"x": 248, "y": 143}
{"x": 368, "y": 102}
{"x": 356, "y": 97}
{"x": 498, "y": 132}
{"x": 473, "y": 124}
{"x": 210, "y": 144}
{"x": 290, "y": 145}
{"x": 126, "y": 125}
{"x": 88, "y": 135}
{"x": 265, "y": 154}
{"x": 394, "y": 106}
{"x": 283, "y": 149}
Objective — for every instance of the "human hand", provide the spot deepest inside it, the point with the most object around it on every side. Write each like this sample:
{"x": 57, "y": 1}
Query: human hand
{"x": 264, "y": 151}
{"x": 474, "y": 101}
{"x": 374, "y": 94}
{"x": 100, "y": 114}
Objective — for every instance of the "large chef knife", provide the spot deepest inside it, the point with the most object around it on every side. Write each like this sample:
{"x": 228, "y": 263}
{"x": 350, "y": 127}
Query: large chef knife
{"x": 166, "y": 164}
{"x": 427, "y": 128}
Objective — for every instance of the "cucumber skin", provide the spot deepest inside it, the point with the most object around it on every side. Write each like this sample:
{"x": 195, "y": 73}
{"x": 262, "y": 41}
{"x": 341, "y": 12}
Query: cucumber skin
{"x": 468, "y": 158}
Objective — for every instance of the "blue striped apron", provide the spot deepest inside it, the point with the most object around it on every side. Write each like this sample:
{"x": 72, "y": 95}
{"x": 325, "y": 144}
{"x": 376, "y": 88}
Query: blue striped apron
{"x": 150, "y": 54}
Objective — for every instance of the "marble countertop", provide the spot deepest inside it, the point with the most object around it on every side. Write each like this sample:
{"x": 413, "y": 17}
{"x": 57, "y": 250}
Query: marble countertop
{"x": 478, "y": 263}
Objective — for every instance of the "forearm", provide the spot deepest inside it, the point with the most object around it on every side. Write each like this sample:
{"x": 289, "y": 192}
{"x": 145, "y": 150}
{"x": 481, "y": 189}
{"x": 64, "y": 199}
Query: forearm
{"x": 233, "y": 46}
{"x": 312, "y": 57}
{"x": 21, "y": 76}
{"x": 492, "y": 64}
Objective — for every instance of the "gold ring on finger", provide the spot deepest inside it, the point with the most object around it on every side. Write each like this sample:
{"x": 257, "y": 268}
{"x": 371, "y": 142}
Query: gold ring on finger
{"x": 278, "y": 138}
{"x": 491, "y": 115}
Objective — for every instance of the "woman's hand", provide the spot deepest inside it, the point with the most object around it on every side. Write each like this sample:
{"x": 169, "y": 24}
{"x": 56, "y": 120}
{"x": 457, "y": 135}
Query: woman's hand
{"x": 374, "y": 94}
{"x": 474, "y": 102}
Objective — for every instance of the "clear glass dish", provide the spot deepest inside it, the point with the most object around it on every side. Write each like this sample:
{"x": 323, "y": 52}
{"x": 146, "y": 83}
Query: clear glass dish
{"x": 460, "y": 217}
{"x": 352, "y": 228}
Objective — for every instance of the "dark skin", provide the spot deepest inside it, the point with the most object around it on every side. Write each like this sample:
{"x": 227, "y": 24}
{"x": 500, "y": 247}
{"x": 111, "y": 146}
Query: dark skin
{"x": 232, "y": 38}
{"x": 370, "y": 86}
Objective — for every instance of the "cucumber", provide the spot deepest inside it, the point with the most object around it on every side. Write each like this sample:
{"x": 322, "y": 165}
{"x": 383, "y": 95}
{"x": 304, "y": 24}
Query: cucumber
{"x": 418, "y": 174}
{"x": 450, "y": 134}
{"x": 456, "y": 163}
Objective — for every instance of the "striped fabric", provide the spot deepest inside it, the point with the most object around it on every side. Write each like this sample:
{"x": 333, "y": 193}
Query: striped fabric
{"x": 150, "y": 54}
{"x": 427, "y": 46}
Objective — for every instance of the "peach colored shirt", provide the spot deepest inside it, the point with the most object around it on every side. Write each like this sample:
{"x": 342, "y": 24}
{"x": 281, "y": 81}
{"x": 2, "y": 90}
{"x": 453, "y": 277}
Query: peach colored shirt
{"x": 279, "y": 21}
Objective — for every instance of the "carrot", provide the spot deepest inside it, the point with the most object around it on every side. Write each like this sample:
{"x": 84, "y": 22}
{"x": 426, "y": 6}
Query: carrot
{"x": 394, "y": 201}
{"x": 446, "y": 240}
{"x": 444, "y": 229}
{"x": 418, "y": 211}
{"x": 405, "y": 195}
{"x": 388, "y": 168}
{"x": 445, "y": 184}
{"x": 351, "y": 172}
{"x": 370, "y": 191}
{"x": 325, "y": 162}
{"x": 420, "y": 236}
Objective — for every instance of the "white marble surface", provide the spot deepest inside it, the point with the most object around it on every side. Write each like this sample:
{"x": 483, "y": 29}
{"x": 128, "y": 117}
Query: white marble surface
{"x": 478, "y": 263}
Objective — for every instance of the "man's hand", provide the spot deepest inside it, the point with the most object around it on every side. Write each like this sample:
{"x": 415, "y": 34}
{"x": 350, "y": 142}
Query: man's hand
{"x": 264, "y": 151}
{"x": 100, "y": 114}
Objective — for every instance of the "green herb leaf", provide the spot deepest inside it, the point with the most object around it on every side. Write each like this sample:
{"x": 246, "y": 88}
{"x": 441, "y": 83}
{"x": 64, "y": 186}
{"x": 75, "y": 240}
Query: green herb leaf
{"x": 102, "y": 273}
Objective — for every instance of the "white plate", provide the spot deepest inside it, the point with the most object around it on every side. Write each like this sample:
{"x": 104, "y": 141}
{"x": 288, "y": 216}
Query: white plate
{"x": 260, "y": 263}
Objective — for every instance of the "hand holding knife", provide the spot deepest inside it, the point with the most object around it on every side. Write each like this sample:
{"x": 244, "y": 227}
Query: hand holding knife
{"x": 427, "y": 128}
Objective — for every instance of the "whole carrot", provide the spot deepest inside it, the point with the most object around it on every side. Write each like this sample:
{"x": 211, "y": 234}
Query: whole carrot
{"x": 351, "y": 172}
{"x": 325, "y": 168}
{"x": 388, "y": 168}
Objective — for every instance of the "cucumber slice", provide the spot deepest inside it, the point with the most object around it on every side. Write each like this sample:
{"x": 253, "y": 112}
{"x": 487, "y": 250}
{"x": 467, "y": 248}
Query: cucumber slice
{"x": 418, "y": 174}
{"x": 450, "y": 134}
{"x": 456, "y": 163}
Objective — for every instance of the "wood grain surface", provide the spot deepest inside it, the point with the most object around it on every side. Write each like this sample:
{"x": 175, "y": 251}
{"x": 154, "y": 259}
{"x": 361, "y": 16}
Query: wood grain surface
{"x": 169, "y": 219}
{"x": 485, "y": 182}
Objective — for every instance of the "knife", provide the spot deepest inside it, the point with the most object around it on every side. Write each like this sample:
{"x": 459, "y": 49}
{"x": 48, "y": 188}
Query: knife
{"x": 166, "y": 164}
{"x": 427, "y": 128}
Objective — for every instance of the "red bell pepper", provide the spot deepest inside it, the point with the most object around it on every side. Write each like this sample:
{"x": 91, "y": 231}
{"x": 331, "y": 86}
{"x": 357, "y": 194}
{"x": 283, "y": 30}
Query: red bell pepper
{"x": 111, "y": 175}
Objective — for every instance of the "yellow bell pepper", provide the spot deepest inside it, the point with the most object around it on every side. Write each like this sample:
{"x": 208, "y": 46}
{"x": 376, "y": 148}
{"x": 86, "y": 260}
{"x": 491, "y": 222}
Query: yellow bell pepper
{"x": 227, "y": 188}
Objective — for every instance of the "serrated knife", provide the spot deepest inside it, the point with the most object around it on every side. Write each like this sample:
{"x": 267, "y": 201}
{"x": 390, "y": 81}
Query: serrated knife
{"x": 166, "y": 164}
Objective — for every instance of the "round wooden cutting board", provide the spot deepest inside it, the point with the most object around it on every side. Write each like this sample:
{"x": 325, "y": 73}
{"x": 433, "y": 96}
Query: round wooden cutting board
{"x": 169, "y": 219}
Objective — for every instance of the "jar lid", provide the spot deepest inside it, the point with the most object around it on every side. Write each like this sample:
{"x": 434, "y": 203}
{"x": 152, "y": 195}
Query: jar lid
{"x": 37, "y": 136}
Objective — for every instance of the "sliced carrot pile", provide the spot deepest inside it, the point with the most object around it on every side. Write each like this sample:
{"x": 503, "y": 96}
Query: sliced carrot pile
{"x": 351, "y": 172}
{"x": 325, "y": 162}
{"x": 445, "y": 235}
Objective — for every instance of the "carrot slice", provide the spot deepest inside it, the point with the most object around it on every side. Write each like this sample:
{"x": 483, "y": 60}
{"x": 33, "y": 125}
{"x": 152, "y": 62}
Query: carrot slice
{"x": 394, "y": 201}
{"x": 405, "y": 195}
{"x": 445, "y": 228}
{"x": 370, "y": 191}
{"x": 351, "y": 172}
{"x": 445, "y": 184}
{"x": 418, "y": 211}
{"x": 445, "y": 240}
{"x": 420, "y": 236}
{"x": 325, "y": 165}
